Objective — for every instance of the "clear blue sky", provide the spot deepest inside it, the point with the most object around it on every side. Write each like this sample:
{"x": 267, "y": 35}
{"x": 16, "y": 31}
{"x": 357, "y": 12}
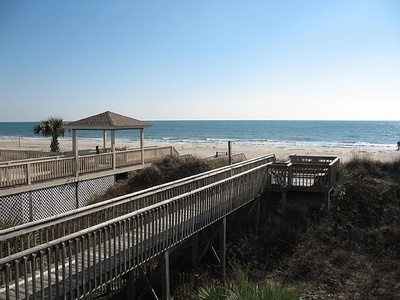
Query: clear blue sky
{"x": 184, "y": 60}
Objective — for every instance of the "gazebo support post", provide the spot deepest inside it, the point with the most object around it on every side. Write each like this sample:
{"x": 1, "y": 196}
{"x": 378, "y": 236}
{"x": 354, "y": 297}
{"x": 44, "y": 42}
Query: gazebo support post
{"x": 142, "y": 144}
{"x": 104, "y": 139}
{"x": 76, "y": 152}
{"x": 108, "y": 121}
{"x": 114, "y": 159}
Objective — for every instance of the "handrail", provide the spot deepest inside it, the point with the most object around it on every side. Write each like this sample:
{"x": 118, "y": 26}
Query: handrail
{"x": 50, "y": 228}
{"x": 31, "y": 171}
{"x": 304, "y": 173}
{"x": 8, "y": 154}
{"x": 27, "y": 160}
{"x": 260, "y": 184}
{"x": 83, "y": 261}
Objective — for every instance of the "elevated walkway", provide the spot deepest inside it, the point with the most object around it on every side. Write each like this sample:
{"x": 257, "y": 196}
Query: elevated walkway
{"x": 73, "y": 254}
{"x": 30, "y": 171}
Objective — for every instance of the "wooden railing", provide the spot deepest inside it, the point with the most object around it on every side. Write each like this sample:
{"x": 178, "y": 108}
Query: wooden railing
{"x": 30, "y": 234}
{"x": 35, "y": 170}
{"x": 304, "y": 173}
{"x": 77, "y": 263}
{"x": 10, "y": 155}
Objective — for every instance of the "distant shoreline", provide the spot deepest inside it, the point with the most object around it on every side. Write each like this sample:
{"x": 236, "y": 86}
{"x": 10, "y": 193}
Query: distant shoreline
{"x": 205, "y": 150}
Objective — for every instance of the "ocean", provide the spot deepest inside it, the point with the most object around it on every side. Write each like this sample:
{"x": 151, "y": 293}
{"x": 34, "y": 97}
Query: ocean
{"x": 329, "y": 134}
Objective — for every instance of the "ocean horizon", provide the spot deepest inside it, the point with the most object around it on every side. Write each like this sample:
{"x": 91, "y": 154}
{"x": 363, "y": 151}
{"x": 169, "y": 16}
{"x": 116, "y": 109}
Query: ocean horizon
{"x": 285, "y": 133}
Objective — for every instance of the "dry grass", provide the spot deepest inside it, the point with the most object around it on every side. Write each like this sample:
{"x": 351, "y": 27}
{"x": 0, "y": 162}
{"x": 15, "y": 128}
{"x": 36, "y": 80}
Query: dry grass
{"x": 354, "y": 252}
{"x": 350, "y": 252}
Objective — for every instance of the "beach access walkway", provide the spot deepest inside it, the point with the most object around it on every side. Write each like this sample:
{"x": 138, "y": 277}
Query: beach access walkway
{"x": 71, "y": 255}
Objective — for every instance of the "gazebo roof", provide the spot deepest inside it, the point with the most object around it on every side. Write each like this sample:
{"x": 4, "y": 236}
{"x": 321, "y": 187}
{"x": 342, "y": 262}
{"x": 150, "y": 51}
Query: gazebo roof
{"x": 107, "y": 121}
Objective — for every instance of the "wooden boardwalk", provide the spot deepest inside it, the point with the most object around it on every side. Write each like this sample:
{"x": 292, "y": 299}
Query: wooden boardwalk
{"x": 71, "y": 255}
{"x": 25, "y": 172}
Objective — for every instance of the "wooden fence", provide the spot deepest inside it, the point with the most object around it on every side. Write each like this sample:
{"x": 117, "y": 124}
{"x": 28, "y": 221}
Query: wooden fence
{"x": 30, "y": 234}
{"x": 29, "y": 171}
{"x": 13, "y": 155}
{"x": 304, "y": 173}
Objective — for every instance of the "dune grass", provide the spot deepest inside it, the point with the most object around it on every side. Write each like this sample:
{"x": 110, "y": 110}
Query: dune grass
{"x": 168, "y": 169}
{"x": 239, "y": 287}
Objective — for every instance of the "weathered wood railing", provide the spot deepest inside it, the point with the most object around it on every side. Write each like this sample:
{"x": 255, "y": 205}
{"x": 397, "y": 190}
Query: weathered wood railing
{"x": 31, "y": 234}
{"x": 304, "y": 173}
{"x": 36, "y": 170}
{"x": 78, "y": 263}
{"x": 10, "y": 155}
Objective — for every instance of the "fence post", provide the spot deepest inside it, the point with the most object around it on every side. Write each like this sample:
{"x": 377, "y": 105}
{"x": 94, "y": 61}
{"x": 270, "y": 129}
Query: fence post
{"x": 77, "y": 194}
{"x": 30, "y": 207}
{"x": 230, "y": 152}
{"x": 29, "y": 173}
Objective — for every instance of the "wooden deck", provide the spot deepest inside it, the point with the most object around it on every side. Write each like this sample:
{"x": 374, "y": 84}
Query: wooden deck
{"x": 73, "y": 254}
{"x": 29, "y": 171}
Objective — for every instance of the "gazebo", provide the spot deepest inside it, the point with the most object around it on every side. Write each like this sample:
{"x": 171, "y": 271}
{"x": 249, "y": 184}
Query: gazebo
{"x": 107, "y": 121}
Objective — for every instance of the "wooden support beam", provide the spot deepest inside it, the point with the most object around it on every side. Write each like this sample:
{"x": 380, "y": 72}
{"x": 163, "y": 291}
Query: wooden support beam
{"x": 327, "y": 200}
{"x": 148, "y": 286}
{"x": 209, "y": 245}
{"x": 165, "y": 282}
{"x": 283, "y": 202}
{"x": 222, "y": 240}
{"x": 256, "y": 209}
{"x": 257, "y": 212}
{"x": 130, "y": 285}
{"x": 195, "y": 252}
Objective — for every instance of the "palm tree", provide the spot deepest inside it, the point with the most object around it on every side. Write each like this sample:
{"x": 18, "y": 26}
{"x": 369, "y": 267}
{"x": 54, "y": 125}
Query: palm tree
{"x": 53, "y": 127}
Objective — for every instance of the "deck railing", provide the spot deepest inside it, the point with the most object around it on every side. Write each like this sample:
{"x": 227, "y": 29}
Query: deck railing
{"x": 78, "y": 263}
{"x": 304, "y": 173}
{"x": 35, "y": 170}
{"x": 11, "y": 155}
{"x": 30, "y": 234}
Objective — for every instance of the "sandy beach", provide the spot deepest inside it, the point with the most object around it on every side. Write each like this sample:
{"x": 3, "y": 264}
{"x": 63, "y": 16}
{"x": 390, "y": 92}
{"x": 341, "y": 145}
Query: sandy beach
{"x": 206, "y": 150}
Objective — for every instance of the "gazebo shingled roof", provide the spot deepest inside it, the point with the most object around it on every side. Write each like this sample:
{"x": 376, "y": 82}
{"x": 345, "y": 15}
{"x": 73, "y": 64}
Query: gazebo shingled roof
{"x": 107, "y": 121}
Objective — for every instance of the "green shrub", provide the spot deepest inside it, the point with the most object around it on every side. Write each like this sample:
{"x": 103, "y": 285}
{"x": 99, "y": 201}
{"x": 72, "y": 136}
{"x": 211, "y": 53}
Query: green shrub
{"x": 168, "y": 169}
{"x": 8, "y": 223}
{"x": 239, "y": 287}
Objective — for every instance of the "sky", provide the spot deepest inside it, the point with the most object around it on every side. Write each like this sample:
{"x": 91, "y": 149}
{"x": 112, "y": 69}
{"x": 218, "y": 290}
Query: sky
{"x": 200, "y": 59}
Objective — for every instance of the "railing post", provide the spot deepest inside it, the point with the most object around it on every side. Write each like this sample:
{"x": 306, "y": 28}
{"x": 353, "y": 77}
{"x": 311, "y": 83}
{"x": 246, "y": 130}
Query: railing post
{"x": 229, "y": 152}
{"x": 29, "y": 173}
{"x": 290, "y": 176}
{"x": 30, "y": 207}
{"x": 76, "y": 167}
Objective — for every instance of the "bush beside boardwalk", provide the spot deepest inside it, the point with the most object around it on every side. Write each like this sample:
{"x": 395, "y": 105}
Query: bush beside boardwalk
{"x": 354, "y": 250}
{"x": 168, "y": 169}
